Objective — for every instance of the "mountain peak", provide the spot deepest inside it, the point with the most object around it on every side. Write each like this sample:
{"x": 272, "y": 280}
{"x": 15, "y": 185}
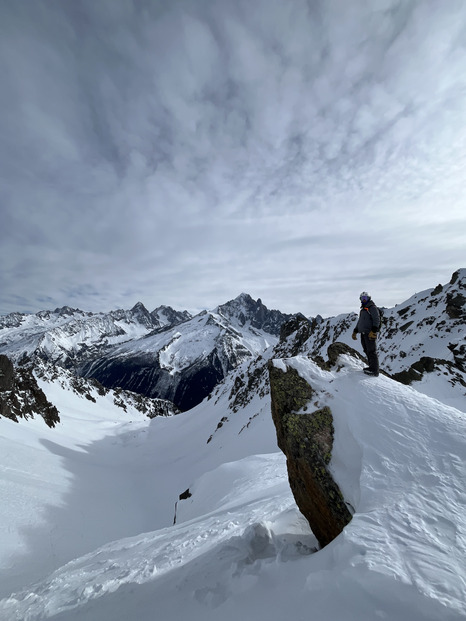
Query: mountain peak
{"x": 244, "y": 297}
{"x": 168, "y": 316}
{"x": 138, "y": 307}
{"x": 66, "y": 311}
{"x": 245, "y": 309}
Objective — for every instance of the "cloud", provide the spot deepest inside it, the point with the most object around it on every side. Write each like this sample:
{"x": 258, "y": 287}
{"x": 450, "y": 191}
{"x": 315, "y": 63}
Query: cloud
{"x": 181, "y": 153}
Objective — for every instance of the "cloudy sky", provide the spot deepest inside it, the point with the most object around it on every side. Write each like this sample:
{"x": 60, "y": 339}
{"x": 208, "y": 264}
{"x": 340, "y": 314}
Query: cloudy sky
{"x": 183, "y": 151}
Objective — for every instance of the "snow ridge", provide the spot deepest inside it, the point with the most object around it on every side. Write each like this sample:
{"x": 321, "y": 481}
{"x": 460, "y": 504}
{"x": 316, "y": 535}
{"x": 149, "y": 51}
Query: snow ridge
{"x": 91, "y": 504}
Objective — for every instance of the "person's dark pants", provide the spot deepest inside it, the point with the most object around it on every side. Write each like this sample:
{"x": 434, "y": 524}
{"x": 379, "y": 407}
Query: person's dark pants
{"x": 370, "y": 349}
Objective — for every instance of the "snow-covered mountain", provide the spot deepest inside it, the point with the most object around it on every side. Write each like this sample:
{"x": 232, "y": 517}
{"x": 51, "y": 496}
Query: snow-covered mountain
{"x": 185, "y": 363}
{"x": 111, "y": 515}
{"x": 422, "y": 341}
{"x": 171, "y": 355}
{"x": 164, "y": 354}
{"x": 66, "y": 336}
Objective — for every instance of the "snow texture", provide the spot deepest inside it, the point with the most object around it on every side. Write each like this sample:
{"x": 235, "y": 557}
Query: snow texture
{"x": 88, "y": 508}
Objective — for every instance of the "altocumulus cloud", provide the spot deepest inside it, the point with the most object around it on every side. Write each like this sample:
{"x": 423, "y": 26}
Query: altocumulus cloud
{"x": 181, "y": 152}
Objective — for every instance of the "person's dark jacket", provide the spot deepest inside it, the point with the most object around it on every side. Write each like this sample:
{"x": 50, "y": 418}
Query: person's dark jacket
{"x": 369, "y": 318}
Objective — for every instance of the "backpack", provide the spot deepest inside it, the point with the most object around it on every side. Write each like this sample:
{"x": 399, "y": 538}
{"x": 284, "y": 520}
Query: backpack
{"x": 383, "y": 319}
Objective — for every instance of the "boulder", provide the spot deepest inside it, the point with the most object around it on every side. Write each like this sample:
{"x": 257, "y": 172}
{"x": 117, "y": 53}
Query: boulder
{"x": 335, "y": 350}
{"x": 307, "y": 440}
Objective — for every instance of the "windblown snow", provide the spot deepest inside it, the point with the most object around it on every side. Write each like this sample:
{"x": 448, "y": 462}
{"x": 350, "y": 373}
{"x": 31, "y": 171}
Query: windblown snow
{"x": 87, "y": 518}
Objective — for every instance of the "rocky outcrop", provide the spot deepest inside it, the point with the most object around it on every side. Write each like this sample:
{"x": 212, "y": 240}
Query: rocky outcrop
{"x": 293, "y": 335}
{"x": 7, "y": 374}
{"x": 307, "y": 439}
{"x": 21, "y": 396}
{"x": 456, "y": 305}
{"x": 426, "y": 364}
{"x": 335, "y": 350}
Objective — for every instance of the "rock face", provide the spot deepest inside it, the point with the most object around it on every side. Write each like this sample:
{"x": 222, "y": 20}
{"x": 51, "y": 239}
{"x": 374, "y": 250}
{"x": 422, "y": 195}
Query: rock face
{"x": 307, "y": 439}
{"x": 21, "y": 396}
{"x": 293, "y": 334}
{"x": 7, "y": 374}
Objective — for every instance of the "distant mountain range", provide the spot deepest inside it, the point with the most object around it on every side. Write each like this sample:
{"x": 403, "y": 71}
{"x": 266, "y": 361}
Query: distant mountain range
{"x": 164, "y": 354}
{"x": 172, "y": 355}
{"x": 208, "y": 485}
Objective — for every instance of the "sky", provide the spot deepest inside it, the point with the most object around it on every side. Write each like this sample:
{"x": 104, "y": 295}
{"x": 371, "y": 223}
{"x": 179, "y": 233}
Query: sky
{"x": 181, "y": 152}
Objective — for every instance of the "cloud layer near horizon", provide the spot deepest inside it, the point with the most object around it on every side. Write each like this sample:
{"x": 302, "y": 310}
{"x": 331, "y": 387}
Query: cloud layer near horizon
{"x": 182, "y": 152}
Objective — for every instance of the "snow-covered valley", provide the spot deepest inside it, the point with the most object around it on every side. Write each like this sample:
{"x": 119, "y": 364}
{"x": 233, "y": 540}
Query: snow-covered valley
{"x": 93, "y": 527}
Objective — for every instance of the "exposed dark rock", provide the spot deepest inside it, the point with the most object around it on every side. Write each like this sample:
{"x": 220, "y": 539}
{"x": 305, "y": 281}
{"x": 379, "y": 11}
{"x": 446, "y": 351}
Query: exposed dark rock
{"x": 142, "y": 315}
{"x": 170, "y": 316}
{"x": 246, "y": 309}
{"x": 21, "y": 396}
{"x": 293, "y": 334}
{"x": 247, "y": 385}
{"x": 408, "y": 376}
{"x": 459, "y": 355}
{"x": 404, "y": 311}
{"x": 405, "y": 326}
{"x": 307, "y": 439}
{"x": 297, "y": 323}
{"x": 454, "y": 277}
{"x": 427, "y": 365}
{"x": 7, "y": 373}
{"x": 455, "y": 305}
{"x": 142, "y": 374}
{"x": 336, "y": 349}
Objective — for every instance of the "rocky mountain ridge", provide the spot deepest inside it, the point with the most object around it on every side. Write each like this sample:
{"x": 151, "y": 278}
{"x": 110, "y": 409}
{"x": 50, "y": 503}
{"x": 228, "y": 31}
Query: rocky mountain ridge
{"x": 184, "y": 358}
{"x": 165, "y": 354}
{"x": 22, "y": 395}
{"x": 424, "y": 333}
{"x": 184, "y": 363}
{"x": 427, "y": 354}
{"x": 66, "y": 334}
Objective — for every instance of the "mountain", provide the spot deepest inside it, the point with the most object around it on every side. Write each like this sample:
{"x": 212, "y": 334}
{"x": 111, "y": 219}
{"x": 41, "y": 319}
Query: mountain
{"x": 170, "y": 355}
{"x": 184, "y": 363}
{"x": 21, "y": 396}
{"x": 421, "y": 341}
{"x": 164, "y": 354}
{"x": 67, "y": 336}
{"x": 111, "y": 515}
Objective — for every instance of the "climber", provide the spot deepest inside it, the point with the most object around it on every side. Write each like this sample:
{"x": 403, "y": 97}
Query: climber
{"x": 368, "y": 326}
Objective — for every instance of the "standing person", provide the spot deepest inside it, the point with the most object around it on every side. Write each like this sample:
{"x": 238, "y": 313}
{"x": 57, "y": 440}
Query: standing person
{"x": 368, "y": 325}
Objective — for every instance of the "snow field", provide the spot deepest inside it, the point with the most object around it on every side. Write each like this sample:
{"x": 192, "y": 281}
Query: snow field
{"x": 240, "y": 548}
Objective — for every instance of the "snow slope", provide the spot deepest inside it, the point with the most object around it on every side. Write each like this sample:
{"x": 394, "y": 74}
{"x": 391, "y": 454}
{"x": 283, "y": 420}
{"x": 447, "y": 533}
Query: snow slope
{"x": 431, "y": 323}
{"x": 66, "y": 333}
{"x": 239, "y": 548}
